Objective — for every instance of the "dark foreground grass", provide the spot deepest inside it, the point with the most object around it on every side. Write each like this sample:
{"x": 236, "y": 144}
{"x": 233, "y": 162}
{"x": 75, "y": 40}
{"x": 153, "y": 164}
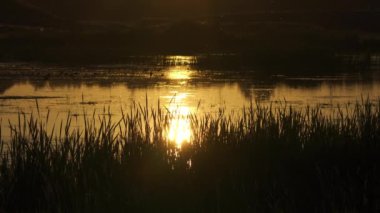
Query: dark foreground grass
{"x": 264, "y": 160}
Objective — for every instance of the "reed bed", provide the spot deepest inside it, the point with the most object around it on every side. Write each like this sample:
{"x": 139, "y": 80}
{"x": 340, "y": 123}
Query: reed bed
{"x": 262, "y": 159}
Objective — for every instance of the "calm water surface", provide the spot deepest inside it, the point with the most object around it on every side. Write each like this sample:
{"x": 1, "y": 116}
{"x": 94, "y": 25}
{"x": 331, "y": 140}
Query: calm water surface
{"x": 179, "y": 88}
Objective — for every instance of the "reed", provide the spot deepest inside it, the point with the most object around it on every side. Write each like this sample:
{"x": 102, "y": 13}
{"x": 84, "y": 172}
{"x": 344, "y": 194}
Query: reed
{"x": 261, "y": 159}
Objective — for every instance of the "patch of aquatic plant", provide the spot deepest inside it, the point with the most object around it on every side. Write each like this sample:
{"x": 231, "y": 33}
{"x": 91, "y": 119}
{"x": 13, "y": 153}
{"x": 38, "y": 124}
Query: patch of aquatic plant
{"x": 261, "y": 159}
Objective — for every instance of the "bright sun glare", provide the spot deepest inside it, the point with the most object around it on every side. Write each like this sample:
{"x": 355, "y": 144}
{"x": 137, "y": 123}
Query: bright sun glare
{"x": 181, "y": 69}
{"x": 179, "y": 130}
{"x": 179, "y": 73}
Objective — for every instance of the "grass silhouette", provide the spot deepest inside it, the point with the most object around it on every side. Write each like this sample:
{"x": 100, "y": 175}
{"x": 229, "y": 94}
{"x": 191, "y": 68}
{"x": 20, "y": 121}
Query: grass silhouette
{"x": 262, "y": 159}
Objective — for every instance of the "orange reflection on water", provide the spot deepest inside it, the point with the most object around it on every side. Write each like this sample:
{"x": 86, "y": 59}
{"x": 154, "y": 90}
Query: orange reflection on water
{"x": 181, "y": 69}
{"x": 179, "y": 73}
{"x": 179, "y": 130}
{"x": 181, "y": 59}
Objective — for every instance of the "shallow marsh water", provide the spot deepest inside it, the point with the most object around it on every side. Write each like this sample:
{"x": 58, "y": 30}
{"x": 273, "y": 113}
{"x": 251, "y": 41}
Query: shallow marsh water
{"x": 177, "y": 87}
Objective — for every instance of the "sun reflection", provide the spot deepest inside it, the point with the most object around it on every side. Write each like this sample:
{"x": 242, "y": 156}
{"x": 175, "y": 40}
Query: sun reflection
{"x": 180, "y": 68}
{"x": 179, "y": 130}
{"x": 181, "y": 60}
{"x": 179, "y": 73}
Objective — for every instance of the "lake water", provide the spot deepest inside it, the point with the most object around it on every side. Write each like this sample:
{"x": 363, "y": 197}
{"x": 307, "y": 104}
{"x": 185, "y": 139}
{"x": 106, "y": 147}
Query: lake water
{"x": 179, "y": 87}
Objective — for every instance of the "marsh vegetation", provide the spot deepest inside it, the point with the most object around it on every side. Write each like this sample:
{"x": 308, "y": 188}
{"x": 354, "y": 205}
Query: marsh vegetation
{"x": 260, "y": 159}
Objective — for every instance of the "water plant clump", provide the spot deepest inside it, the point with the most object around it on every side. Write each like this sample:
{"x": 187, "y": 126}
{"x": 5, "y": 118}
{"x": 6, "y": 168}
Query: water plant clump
{"x": 262, "y": 159}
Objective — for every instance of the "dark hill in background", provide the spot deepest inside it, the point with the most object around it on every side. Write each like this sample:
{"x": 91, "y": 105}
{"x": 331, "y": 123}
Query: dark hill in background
{"x": 113, "y": 14}
{"x": 14, "y": 12}
{"x": 122, "y": 10}
{"x": 267, "y": 33}
{"x": 352, "y": 14}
